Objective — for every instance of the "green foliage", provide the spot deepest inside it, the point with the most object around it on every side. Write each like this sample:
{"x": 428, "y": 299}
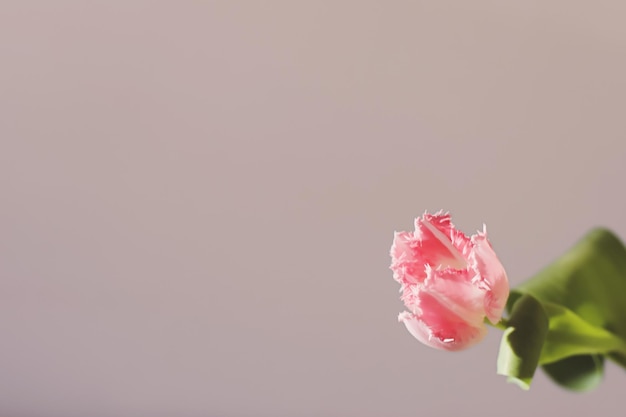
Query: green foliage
{"x": 522, "y": 341}
{"x": 569, "y": 317}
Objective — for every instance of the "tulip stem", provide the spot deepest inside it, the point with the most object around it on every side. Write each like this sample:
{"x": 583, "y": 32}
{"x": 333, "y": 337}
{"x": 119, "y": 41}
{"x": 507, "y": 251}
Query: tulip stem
{"x": 502, "y": 324}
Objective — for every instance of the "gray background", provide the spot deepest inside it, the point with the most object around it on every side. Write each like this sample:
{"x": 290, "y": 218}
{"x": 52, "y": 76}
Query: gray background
{"x": 198, "y": 197}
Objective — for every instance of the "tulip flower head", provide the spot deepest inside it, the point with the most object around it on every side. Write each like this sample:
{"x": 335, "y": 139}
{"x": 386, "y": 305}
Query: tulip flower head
{"x": 449, "y": 283}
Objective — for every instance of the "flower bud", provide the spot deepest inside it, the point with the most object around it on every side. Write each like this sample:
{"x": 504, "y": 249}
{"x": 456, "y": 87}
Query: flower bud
{"x": 449, "y": 283}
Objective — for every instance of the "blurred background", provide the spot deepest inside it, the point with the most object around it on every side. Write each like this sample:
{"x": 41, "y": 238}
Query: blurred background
{"x": 197, "y": 198}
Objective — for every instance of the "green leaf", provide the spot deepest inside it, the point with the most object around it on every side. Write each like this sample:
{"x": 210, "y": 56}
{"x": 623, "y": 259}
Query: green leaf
{"x": 522, "y": 342}
{"x": 583, "y": 298}
{"x": 570, "y": 335}
{"x": 578, "y": 373}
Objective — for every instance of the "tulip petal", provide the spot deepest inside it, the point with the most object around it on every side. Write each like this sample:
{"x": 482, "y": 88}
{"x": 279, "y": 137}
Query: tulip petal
{"x": 434, "y": 233}
{"x": 461, "y": 242}
{"x": 439, "y": 328}
{"x": 492, "y": 276}
{"x": 407, "y": 266}
{"x": 454, "y": 288}
{"x": 409, "y": 296}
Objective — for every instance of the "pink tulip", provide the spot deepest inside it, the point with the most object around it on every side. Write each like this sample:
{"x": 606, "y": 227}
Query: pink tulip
{"x": 449, "y": 282}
